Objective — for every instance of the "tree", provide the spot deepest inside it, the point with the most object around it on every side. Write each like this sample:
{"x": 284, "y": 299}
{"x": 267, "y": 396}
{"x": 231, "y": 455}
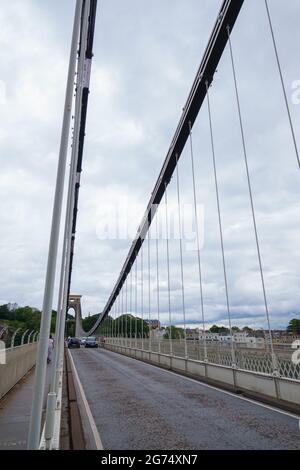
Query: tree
{"x": 123, "y": 326}
{"x": 294, "y": 326}
{"x": 218, "y": 329}
{"x": 247, "y": 329}
{"x": 26, "y": 318}
{"x": 88, "y": 322}
{"x": 176, "y": 333}
{"x": 235, "y": 329}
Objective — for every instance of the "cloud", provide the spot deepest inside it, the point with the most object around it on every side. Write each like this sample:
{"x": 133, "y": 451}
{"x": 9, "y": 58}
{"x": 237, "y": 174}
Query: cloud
{"x": 146, "y": 56}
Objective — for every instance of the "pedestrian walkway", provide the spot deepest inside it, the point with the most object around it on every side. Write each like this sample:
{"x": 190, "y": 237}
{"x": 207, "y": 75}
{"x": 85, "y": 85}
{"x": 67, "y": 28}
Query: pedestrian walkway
{"x": 15, "y": 409}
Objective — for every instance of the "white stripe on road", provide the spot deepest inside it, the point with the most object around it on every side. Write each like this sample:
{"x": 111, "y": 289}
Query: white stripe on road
{"x": 94, "y": 429}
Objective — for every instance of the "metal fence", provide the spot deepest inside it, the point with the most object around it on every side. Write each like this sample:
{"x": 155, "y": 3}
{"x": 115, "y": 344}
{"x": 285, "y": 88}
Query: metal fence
{"x": 252, "y": 359}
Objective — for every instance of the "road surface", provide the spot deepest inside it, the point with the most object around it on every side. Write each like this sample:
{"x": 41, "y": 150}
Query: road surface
{"x": 139, "y": 406}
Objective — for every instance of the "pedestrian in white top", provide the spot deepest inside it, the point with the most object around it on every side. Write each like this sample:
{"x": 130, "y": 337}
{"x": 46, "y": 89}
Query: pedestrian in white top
{"x": 50, "y": 349}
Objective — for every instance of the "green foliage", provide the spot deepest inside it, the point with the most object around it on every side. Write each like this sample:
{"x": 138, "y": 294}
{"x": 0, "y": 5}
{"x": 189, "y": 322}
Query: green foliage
{"x": 247, "y": 329}
{"x": 123, "y": 326}
{"x": 235, "y": 329}
{"x": 176, "y": 333}
{"x": 88, "y": 322}
{"x": 26, "y": 318}
{"x": 219, "y": 329}
{"x": 294, "y": 326}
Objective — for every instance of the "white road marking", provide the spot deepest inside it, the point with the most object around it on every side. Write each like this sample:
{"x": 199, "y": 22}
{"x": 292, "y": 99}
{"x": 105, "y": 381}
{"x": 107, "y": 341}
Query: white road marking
{"x": 249, "y": 400}
{"x": 94, "y": 429}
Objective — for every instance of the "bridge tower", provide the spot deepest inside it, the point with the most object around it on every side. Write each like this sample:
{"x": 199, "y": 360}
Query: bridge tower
{"x": 75, "y": 303}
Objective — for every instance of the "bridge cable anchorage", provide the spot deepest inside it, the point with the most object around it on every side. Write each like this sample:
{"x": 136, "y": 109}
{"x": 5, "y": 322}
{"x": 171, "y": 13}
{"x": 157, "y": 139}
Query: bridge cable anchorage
{"x": 142, "y": 295}
{"x": 282, "y": 82}
{"x": 220, "y": 224}
{"x": 168, "y": 268}
{"x": 149, "y": 290}
{"x": 181, "y": 257}
{"x": 131, "y": 309}
{"x": 198, "y": 244}
{"x": 274, "y": 359}
{"x": 157, "y": 278}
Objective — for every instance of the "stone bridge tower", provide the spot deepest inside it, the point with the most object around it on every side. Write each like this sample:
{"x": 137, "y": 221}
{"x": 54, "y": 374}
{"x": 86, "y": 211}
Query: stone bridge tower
{"x": 75, "y": 303}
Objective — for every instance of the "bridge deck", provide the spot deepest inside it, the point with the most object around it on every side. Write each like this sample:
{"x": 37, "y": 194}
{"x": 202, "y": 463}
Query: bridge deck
{"x": 139, "y": 406}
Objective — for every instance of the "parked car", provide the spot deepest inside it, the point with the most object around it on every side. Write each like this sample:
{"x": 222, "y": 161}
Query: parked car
{"x": 74, "y": 343}
{"x": 91, "y": 342}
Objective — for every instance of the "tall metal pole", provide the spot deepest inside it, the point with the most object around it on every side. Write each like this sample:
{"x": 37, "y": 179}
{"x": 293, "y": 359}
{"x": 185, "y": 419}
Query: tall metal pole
{"x": 60, "y": 324}
{"x": 72, "y": 188}
{"x": 40, "y": 373}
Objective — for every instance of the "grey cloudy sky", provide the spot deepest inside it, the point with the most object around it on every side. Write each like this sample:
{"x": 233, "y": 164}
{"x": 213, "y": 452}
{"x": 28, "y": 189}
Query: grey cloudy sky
{"x": 146, "y": 56}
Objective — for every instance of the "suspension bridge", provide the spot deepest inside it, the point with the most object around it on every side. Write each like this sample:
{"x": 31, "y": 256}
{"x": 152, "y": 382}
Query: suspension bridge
{"x": 140, "y": 389}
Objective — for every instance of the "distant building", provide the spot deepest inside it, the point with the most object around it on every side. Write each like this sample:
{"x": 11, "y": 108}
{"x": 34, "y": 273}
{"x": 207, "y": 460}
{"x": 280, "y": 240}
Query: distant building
{"x": 192, "y": 333}
{"x": 240, "y": 338}
{"x": 153, "y": 324}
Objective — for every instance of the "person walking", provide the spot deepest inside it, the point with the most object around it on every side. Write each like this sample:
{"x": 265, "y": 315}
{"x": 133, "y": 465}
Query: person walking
{"x": 50, "y": 349}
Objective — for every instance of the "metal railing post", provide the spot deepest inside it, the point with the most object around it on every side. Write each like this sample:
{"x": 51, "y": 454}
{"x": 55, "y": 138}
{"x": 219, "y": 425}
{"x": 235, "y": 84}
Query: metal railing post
{"x": 23, "y": 336}
{"x": 29, "y": 336}
{"x": 12, "y": 344}
{"x": 34, "y": 339}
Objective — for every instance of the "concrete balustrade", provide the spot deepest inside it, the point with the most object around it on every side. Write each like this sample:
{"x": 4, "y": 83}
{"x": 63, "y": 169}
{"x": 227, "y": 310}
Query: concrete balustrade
{"x": 19, "y": 361}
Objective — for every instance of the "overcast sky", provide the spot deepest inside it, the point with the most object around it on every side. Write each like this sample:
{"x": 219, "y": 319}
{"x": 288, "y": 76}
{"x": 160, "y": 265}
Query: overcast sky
{"x": 146, "y": 57}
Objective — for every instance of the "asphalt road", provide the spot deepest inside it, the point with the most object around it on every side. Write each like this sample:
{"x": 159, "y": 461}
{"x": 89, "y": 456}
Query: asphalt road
{"x": 139, "y": 406}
